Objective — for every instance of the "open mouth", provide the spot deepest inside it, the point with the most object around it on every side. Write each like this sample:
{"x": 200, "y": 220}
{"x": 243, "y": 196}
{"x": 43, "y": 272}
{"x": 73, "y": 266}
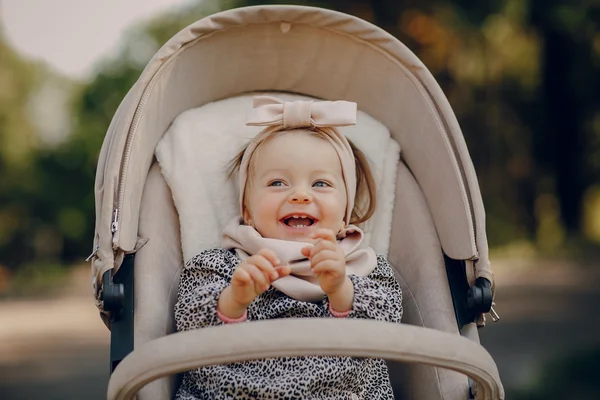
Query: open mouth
{"x": 298, "y": 221}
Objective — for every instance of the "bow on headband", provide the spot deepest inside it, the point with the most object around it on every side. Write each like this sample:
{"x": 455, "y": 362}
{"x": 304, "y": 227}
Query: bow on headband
{"x": 278, "y": 115}
{"x": 271, "y": 111}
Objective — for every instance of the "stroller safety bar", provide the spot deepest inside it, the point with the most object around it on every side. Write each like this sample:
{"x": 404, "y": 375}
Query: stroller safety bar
{"x": 183, "y": 351}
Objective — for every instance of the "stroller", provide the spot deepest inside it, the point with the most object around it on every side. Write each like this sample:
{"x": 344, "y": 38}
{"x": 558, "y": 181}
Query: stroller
{"x": 429, "y": 223}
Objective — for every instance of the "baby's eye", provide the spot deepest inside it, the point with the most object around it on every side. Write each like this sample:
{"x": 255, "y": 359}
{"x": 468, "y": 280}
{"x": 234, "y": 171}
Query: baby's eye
{"x": 321, "y": 184}
{"x": 276, "y": 183}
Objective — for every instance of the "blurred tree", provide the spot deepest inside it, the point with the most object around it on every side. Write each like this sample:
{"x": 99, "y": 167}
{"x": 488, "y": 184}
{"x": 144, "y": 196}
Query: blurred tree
{"x": 39, "y": 205}
{"x": 569, "y": 99}
{"x": 17, "y": 144}
{"x": 46, "y": 197}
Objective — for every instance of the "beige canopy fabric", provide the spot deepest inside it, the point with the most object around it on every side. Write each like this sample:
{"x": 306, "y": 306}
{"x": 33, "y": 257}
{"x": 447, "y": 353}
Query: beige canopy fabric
{"x": 304, "y": 50}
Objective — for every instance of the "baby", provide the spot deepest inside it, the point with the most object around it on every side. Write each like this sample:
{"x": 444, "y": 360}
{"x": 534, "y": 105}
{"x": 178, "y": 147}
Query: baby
{"x": 295, "y": 252}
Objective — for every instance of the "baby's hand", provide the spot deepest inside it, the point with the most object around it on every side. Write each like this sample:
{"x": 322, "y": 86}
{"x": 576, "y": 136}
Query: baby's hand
{"x": 327, "y": 261}
{"x": 254, "y": 276}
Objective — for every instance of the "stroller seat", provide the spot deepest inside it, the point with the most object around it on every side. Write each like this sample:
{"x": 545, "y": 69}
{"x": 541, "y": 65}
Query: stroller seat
{"x": 430, "y": 222}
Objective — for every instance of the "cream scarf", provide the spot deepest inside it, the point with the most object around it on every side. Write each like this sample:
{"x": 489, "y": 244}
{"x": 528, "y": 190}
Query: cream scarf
{"x": 301, "y": 284}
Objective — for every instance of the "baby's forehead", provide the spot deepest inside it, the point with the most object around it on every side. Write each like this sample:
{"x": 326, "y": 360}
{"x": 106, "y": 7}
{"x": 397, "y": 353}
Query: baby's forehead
{"x": 296, "y": 141}
{"x": 296, "y": 150}
{"x": 296, "y": 136}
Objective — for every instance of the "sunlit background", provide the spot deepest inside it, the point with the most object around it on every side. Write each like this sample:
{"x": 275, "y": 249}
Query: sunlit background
{"x": 521, "y": 75}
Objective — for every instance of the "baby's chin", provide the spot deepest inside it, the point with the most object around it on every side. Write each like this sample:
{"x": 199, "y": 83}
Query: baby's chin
{"x": 297, "y": 237}
{"x": 284, "y": 232}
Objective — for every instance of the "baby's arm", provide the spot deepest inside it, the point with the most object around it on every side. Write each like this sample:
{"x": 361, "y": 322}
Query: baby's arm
{"x": 203, "y": 279}
{"x": 377, "y": 296}
{"x": 251, "y": 278}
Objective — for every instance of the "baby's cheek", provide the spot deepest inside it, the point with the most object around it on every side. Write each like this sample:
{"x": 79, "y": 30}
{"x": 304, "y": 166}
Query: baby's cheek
{"x": 339, "y": 207}
{"x": 333, "y": 215}
{"x": 267, "y": 209}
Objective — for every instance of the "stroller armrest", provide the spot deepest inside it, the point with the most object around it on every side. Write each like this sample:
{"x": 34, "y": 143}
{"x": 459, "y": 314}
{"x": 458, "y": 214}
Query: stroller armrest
{"x": 183, "y": 351}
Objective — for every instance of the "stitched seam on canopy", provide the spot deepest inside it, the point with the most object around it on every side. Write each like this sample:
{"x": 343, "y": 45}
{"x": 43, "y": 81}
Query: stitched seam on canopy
{"x": 133, "y": 128}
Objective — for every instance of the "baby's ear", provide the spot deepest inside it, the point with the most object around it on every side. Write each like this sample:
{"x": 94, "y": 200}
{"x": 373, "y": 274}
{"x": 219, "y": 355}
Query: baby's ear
{"x": 342, "y": 232}
{"x": 246, "y": 216}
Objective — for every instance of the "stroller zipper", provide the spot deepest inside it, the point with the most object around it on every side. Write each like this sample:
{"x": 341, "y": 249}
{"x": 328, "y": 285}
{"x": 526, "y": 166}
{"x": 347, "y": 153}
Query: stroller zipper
{"x": 114, "y": 226}
{"x": 129, "y": 142}
{"x": 93, "y": 253}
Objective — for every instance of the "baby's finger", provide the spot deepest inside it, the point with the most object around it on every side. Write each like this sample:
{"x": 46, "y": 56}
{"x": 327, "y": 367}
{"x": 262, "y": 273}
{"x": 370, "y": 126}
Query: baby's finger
{"x": 283, "y": 270}
{"x": 326, "y": 234}
{"x": 322, "y": 245}
{"x": 265, "y": 266}
{"x": 270, "y": 256}
{"x": 324, "y": 255}
{"x": 325, "y": 266}
{"x": 241, "y": 277}
{"x": 258, "y": 277}
{"x": 306, "y": 251}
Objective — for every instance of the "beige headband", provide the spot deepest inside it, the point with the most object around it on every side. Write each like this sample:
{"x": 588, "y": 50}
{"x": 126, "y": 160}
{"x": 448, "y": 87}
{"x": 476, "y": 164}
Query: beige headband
{"x": 278, "y": 115}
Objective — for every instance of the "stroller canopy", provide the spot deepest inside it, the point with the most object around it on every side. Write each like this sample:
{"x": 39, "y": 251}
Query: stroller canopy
{"x": 304, "y": 50}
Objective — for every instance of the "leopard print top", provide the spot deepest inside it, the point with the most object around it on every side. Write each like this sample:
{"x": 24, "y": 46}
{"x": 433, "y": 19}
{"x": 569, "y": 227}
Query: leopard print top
{"x": 377, "y": 296}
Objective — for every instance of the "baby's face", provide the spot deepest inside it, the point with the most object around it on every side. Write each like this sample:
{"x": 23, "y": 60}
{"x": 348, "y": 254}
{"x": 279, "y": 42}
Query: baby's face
{"x": 295, "y": 188}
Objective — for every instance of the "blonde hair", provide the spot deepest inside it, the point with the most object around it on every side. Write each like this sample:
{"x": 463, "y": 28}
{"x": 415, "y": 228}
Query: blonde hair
{"x": 366, "y": 190}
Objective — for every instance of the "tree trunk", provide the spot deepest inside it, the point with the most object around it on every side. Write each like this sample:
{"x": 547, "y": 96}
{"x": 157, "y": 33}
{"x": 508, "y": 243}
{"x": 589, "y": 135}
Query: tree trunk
{"x": 563, "y": 139}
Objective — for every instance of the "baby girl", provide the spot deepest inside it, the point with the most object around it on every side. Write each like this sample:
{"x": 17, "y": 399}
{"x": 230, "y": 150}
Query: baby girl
{"x": 295, "y": 251}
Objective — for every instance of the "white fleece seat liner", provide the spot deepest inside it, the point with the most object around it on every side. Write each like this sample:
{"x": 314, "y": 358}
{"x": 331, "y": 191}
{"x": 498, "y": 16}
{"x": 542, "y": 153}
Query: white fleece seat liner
{"x": 195, "y": 151}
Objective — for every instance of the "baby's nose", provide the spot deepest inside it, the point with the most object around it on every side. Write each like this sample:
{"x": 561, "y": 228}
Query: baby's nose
{"x": 300, "y": 198}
